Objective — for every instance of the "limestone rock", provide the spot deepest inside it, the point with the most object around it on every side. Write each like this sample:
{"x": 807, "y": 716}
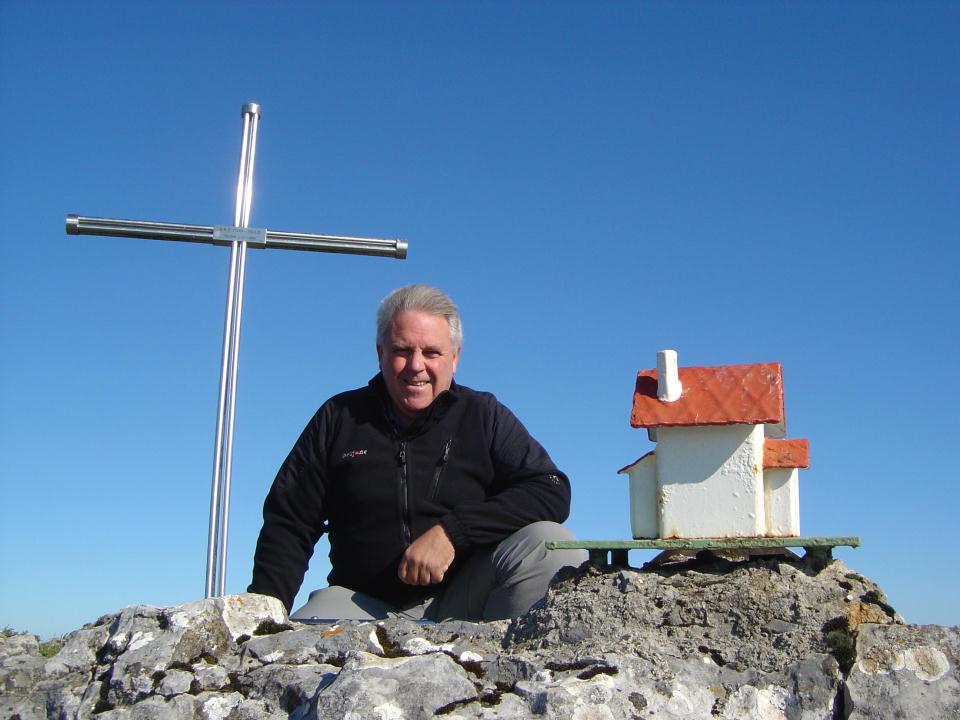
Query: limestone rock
{"x": 19, "y": 644}
{"x": 764, "y": 615}
{"x": 18, "y": 673}
{"x": 240, "y": 616}
{"x": 181, "y": 707}
{"x": 79, "y": 651}
{"x": 287, "y": 688}
{"x": 29, "y": 707}
{"x": 210, "y": 677}
{"x": 217, "y": 706}
{"x": 311, "y": 644}
{"x": 421, "y": 686}
{"x": 750, "y": 640}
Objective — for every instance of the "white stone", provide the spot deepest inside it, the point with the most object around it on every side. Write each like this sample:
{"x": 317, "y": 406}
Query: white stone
{"x": 140, "y": 639}
{"x": 218, "y": 707}
{"x": 643, "y": 497}
{"x": 711, "y": 481}
{"x": 373, "y": 642}
{"x": 243, "y": 614}
{"x": 422, "y": 646}
{"x": 781, "y": 492}
{"x": 419, "y": 646}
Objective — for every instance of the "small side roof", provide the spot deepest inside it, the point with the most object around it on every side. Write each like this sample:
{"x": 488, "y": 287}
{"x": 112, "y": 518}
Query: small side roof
{"x": 786, "y": 453}
{"x": 720, "y": 395}
{"x": 636, "y": 462}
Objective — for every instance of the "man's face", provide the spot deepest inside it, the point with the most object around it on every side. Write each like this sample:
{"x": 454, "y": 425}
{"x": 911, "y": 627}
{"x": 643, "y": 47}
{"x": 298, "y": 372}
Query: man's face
{"x": 417, "y": 360}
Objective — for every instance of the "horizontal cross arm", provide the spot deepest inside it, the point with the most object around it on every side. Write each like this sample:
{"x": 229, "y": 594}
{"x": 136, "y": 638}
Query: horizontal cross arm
{"x": 147, "y": 230}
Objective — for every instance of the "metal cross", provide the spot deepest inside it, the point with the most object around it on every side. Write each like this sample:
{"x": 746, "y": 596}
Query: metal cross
{"x": 238, "y": 237}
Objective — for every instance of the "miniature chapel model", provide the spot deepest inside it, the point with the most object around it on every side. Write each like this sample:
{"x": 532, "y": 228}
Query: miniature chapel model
{"x": 720, "y": 468}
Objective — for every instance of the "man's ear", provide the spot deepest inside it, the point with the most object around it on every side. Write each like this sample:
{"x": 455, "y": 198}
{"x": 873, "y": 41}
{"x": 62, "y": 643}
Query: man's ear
{"x": 456, "y": 358}
{"x": 379, "y": 354}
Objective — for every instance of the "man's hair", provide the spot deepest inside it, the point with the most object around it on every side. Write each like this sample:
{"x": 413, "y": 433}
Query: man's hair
{"x": 420, "y": 298}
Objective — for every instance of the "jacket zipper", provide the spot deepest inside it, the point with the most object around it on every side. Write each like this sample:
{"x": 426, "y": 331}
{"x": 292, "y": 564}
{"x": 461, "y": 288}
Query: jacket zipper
{"x": 404, "y": 493}
{"x": 435, "y": 485}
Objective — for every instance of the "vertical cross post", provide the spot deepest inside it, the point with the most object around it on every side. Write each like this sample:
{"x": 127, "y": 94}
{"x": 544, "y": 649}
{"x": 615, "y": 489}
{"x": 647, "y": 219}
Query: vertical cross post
{"x": 216, "y": 575}
{"x": 238, "y": 237}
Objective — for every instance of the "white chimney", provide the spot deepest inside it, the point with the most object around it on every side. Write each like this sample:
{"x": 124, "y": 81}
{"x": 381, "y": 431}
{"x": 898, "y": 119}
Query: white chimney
{"x": 669, "y": 388}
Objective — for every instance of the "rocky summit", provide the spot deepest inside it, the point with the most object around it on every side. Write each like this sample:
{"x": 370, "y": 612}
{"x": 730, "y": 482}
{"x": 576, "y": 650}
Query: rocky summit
{"x": 770, "y": 638}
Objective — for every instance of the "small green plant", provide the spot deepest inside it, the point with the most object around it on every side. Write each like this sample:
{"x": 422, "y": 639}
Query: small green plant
{"x": 45, "y": 649}
{"x": 50, "y": 647}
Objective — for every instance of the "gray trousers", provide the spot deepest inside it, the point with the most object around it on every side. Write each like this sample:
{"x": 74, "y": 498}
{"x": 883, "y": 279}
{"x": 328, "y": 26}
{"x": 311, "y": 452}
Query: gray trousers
{"x": 496, "y": 583}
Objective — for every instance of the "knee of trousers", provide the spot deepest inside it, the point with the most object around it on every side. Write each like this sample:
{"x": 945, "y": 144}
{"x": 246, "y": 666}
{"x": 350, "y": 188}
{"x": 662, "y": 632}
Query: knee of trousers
{"x": 527, "y": 544}
{"x": 544, "y": 530}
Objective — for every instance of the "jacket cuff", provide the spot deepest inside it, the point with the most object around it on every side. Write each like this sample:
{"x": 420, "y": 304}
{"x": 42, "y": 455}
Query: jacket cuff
{"x": 456, "y": 532}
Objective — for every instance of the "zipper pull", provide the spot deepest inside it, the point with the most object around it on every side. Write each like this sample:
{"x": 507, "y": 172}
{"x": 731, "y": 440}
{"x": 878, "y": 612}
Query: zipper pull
{"x": 402, "y": 457}
{"x": 446, "y": 452}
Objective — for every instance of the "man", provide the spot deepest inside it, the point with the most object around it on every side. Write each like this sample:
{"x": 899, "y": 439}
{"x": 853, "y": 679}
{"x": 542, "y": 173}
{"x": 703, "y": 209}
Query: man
{"x": 436, "y": 499}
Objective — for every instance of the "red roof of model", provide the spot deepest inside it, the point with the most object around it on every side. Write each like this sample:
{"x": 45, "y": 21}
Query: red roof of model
{"x": 786, "y": 453}
{"x": 721, "y": 395}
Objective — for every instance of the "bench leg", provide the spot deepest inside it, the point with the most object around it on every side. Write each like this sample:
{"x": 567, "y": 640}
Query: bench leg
{"x": 819, "y": 556}
{"x": 597, "y": 556}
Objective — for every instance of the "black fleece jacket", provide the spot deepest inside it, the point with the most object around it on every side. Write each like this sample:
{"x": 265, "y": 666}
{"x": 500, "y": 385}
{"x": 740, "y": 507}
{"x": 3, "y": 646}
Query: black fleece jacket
{"x": 466, "y": 463}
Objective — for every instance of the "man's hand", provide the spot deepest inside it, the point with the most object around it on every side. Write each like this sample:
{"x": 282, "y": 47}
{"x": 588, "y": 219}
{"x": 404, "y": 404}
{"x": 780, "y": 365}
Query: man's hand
{"x": 427, "y": 558}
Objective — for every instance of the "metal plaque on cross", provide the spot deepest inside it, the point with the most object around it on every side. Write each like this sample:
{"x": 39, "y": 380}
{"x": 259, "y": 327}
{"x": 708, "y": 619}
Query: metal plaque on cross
{"x": 238, "y": 237}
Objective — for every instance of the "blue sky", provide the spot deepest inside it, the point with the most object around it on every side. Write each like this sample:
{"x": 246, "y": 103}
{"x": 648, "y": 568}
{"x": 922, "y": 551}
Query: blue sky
{"x": 743, "y": 182}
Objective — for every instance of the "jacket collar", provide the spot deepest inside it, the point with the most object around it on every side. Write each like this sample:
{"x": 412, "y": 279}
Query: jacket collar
{"x": 425, "y": 419}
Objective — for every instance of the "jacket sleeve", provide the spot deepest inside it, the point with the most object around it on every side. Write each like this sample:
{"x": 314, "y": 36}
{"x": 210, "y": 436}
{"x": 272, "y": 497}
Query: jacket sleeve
{"x": 293, "y": 515}
{"x": 527, "y": 488}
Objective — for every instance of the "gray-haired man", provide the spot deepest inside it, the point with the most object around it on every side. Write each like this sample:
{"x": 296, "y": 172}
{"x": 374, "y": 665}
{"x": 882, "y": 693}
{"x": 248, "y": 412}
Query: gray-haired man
{"x": 436, "y": 499}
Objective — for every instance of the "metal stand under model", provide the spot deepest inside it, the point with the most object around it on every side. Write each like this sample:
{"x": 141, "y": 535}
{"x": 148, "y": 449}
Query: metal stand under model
{"x": 238, "y": 237}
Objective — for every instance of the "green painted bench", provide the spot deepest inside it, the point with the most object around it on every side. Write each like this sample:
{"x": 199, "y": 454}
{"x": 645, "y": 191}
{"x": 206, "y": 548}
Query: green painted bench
{"x": 817, "y": 548}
